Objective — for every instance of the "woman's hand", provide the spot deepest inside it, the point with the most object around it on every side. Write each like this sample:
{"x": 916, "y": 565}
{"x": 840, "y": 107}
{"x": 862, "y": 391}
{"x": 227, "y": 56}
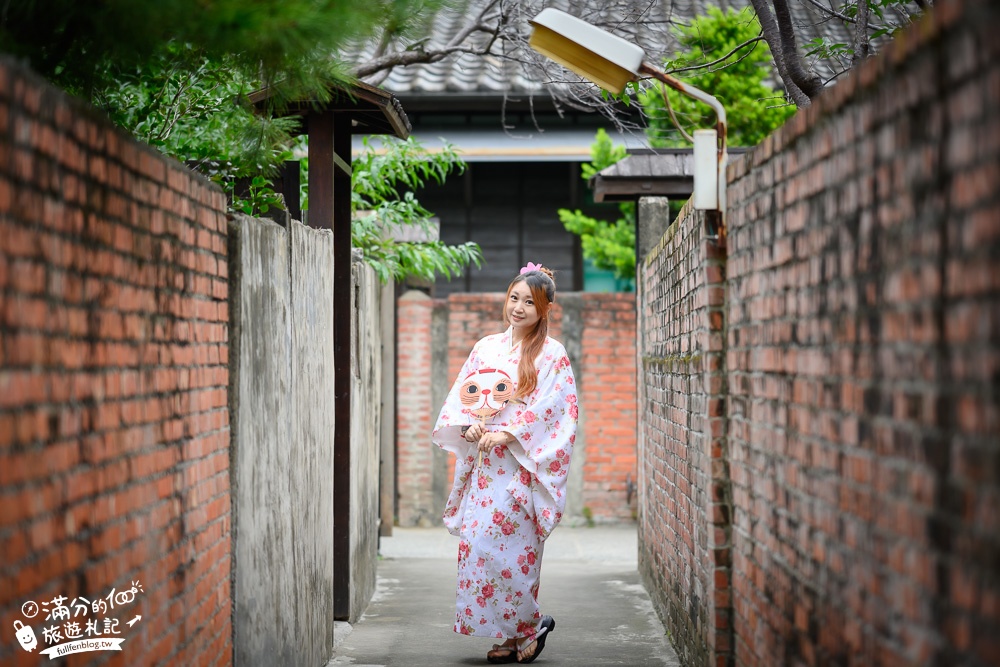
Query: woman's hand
{"x": 487, "y": 439}
{"x": 492, "y": 439}
{"x": 475, "y": 432}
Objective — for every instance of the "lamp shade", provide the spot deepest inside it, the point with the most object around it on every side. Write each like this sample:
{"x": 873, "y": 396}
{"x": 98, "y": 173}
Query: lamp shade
{"x": 598, "y": 56}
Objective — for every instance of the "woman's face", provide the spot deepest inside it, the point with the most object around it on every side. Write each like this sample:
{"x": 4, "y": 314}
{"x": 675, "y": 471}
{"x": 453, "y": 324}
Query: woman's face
{"x": 521, "y": 310}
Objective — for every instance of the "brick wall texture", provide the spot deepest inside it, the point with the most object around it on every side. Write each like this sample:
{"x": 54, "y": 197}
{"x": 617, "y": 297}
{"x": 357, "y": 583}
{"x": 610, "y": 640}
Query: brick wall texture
{"x": 414, "y": 420}
{"x": 683, "y": 487}
{"x": 114, "y": 431}
{"x": 821, "y": 433}
{"x": 606, "y": 368}
{"x": 602, "y": 340}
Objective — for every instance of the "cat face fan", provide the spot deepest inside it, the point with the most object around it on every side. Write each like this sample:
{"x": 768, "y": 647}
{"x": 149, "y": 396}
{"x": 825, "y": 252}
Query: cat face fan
{"x": 486, "y": 392}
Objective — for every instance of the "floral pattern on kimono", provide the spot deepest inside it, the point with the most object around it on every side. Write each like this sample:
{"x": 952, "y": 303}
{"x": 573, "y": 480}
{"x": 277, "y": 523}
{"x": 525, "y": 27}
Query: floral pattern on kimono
{"x": 504, "y": 507}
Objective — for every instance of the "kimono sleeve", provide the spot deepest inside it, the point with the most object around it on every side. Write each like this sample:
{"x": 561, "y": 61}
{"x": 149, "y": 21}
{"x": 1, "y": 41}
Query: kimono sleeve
{"x": 545, "y": 428}
{"x": 447, "y": 432}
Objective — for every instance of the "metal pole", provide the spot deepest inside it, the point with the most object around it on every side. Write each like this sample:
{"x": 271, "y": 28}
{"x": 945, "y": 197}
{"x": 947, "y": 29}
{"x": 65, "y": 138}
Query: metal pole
{"x": 720, "y": 126}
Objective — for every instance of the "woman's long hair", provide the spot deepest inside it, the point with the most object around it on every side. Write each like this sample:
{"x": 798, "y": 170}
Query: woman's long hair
{"x": 543, "y": 292}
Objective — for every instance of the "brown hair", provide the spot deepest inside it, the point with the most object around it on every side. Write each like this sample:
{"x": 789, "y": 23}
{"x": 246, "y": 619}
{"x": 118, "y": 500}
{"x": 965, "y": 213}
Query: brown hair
{"x": 542, "y": 284}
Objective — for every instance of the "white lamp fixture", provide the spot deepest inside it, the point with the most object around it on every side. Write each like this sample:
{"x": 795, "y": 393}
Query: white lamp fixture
{"x": 607, "y": 60}
{"x": 611, "y": 62}
{"x": 706, "y": 187}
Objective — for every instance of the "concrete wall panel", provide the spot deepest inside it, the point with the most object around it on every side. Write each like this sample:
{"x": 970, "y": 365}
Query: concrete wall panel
{"x": 366, "y": 417}
{"x": 282, "y": 402}
{"x": 311, "y": 443}
{"x": 265, "y": 589}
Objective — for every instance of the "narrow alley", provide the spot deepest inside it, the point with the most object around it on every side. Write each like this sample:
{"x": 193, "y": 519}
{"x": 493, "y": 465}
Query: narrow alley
{"x": 787, "y": 434}
{"x": 590, "y": 586}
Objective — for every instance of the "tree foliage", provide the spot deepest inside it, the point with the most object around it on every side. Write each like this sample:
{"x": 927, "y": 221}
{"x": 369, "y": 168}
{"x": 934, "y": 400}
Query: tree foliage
{"x": 288, "y": 43}
{"x": 609, "y": 245}
{"x": 738, "y": 77}
{"x": 175, "y": 73}
{"x": 395, "y": 233}
{"x": 813, "y": 41}
{"x": 194, "y": 108}
{"x": 300, "y": 46}
{"x": 778, "y": 28}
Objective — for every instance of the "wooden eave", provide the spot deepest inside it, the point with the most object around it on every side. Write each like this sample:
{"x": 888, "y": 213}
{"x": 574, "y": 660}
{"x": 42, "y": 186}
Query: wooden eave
{"x": 371, "y": 110}
{"x": 667, "y": 172}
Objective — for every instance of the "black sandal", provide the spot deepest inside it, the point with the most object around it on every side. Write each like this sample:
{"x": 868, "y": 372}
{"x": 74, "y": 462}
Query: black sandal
{"x": 546, "y": 626}
{"x": 502, "y": 659}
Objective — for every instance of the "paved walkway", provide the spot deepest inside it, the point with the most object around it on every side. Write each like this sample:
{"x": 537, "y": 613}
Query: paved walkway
{"x": 589, "y": 585}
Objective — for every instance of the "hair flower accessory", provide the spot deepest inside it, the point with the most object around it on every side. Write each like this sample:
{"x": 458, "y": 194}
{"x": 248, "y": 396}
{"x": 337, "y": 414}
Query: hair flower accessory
{"x": 531, "y": 267}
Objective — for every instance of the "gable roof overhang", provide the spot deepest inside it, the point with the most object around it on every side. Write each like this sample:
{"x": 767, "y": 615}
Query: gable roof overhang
{"x": 371, "y": 110}
{"x": 648, "y": 172}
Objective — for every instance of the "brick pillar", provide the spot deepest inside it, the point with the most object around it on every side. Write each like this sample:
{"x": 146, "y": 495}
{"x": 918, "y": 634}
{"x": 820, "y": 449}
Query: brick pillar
{"x": 606, "y": 377}
{"x": 415, "y": 414}
{"x": 720, "y": 502}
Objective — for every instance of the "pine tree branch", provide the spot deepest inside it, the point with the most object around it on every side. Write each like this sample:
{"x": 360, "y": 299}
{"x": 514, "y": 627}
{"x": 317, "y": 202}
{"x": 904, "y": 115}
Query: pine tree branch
{"x": 830, "y": 10}
{"x": 383, "y": 43}
{"x": 403, "y": 58}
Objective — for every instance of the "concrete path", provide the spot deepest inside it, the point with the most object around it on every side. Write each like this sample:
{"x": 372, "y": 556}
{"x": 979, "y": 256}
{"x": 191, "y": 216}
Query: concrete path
{"x": 589, "y": 585}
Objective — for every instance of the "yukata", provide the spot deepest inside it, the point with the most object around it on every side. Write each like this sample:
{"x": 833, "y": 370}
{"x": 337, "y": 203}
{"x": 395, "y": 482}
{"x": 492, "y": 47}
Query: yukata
{"x": 504, "y": 504}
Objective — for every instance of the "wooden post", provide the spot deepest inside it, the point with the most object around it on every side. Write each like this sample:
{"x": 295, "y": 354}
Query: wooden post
{"x": 330, "y": 208}
{"x": 321, "y": 170}
{"x": 342, "y": 316}
{"x": 290, "y": 189}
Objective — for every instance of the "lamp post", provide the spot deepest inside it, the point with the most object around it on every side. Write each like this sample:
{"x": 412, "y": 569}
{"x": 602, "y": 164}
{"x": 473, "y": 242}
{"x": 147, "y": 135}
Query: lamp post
{"x": 611, "y": 63}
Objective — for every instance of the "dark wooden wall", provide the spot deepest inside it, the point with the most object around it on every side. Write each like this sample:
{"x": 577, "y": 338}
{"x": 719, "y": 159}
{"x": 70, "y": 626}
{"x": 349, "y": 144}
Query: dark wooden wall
{"x": 511, "y": 210}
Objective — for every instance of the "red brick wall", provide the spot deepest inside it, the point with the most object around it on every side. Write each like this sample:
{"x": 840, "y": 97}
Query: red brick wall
{"x": 606, "y": 369}
{"x": 864, "y": 301}
{"x": 414, "y": 419}
{"x": 604, "y": 333}
{"x": 862, "y": 357}
{"x": 472, "y": 316}
{"x": 114, "y": 431}
{"x": 684, "y": 539}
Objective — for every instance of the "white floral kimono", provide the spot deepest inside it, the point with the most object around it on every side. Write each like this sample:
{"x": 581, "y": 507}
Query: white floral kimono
{"x": 504, "y": 506}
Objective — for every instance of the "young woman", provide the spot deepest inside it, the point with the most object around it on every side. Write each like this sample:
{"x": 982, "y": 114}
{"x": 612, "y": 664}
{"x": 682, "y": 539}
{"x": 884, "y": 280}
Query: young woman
{"x": 510, "y": 419}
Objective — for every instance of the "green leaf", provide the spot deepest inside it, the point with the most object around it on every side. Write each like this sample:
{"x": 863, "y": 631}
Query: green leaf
{"x": 384, "y": 180}
{"x": 741, "y": 82}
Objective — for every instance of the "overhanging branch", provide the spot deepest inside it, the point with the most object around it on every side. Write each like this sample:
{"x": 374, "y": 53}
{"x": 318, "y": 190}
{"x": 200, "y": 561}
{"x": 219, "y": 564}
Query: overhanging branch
{"x": 769, "y": 28}
{"x": 809, "y": 83}
{"x": 457, "y": 44}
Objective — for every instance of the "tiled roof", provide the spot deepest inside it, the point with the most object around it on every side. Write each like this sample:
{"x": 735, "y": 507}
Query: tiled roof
{"x": 473, "y": 74}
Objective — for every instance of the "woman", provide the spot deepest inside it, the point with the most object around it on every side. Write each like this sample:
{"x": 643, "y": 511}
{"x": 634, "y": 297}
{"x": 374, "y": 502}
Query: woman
{"x": 510, "y": 419}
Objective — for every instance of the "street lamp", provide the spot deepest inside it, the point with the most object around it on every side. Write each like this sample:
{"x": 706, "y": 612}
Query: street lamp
{"x": 611, "y": 62}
